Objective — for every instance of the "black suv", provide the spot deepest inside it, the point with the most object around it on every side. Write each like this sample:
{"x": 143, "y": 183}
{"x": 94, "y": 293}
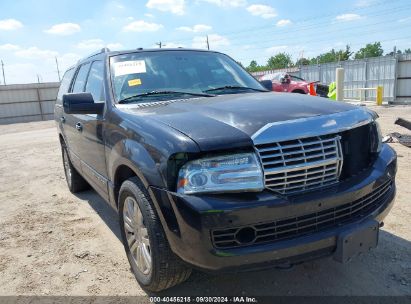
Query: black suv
{"x": 208, "y": 169}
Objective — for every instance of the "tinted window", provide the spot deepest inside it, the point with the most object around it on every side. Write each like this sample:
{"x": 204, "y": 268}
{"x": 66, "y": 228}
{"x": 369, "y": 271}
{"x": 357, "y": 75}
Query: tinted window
{"x": 81, "y": 78}
{"x": 95, "y": 81}
{"x": 65, "y": 85}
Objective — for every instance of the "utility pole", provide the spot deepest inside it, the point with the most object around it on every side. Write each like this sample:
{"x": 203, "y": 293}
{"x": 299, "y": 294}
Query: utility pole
{"x": 160, "y": 44}
{"x": 58, "y": 71}
{"x": 208, "y": 44}
{"x": 38, "y": 78}
{"x": 4, "y": 76}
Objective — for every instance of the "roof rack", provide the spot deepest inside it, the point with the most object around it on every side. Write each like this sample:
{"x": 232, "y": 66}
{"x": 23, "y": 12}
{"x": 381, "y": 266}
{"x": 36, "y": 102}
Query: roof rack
{"x": 103, "y": 50}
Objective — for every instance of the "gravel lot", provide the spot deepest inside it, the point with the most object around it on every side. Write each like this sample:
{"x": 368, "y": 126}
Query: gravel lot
{"x": 56, "y": 243}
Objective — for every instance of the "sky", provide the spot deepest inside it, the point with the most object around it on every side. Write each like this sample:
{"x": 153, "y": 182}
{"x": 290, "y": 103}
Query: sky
{"x": 34, "y": 34}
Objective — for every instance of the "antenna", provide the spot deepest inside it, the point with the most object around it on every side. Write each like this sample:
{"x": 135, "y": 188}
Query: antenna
{"x": 4, "y": 76}
{"x": 160, "y": 44}
{"x": 58, "y": 71}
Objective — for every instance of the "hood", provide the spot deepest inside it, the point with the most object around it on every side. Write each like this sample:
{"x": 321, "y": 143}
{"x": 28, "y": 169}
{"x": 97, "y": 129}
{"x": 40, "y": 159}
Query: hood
{"x": 229, "y": 121}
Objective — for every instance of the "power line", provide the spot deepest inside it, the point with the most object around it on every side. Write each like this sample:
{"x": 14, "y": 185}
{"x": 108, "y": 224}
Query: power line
{"x": 285, "y": 35}
{"x": 307, "y": 38}
{"x": 270, "y": 25}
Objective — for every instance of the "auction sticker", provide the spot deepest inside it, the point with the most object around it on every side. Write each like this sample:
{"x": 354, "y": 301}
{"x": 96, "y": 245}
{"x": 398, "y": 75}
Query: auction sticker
{"x": 129, "y": 67}
{"x": 134, "y": 82}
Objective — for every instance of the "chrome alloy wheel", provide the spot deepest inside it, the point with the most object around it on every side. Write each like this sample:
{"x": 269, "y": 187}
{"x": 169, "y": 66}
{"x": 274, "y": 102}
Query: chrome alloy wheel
{"x": 137, "y": 235}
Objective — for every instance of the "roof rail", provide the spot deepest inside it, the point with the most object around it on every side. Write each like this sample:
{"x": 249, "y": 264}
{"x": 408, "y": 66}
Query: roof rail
{"x": 103, "y": 50}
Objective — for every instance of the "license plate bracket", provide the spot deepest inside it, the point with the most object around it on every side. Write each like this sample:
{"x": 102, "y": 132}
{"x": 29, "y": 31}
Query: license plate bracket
{"x": 355, "y": 241}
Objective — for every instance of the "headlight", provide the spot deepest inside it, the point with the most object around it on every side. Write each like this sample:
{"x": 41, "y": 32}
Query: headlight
{"x": 224, "y": 173}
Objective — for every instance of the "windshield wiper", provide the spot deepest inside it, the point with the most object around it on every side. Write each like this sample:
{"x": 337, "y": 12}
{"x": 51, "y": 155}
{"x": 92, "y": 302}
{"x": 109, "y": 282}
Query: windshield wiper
{"x": 125, "y": 100}
{"x": 233, "y": 87}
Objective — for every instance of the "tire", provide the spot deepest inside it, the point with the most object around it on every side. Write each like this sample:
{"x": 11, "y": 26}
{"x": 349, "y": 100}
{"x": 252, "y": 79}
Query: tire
{"x": 75, "y": 181}
{"x": 299, "y": 92}
{"x": 144, "y": 234}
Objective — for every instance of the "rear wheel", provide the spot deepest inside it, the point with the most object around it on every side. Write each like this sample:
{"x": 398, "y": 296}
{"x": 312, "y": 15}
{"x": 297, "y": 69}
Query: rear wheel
{"x": 75, "y": 181}
{"x": 153, "y": 263}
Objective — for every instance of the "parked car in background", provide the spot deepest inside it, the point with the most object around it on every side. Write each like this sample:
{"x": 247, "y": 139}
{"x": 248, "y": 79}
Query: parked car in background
{"x": 284, "y": 82}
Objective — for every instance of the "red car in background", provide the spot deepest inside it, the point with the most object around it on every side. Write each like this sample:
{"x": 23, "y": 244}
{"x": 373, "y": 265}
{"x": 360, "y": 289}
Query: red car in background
{"x": 283, "y": 82}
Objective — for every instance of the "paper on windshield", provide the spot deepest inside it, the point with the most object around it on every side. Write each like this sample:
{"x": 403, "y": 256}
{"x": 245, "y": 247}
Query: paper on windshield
{"x": 129, "y": 67}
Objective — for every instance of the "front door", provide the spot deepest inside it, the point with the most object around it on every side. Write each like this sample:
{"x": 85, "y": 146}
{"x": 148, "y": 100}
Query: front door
{"x": 86, "y": 130}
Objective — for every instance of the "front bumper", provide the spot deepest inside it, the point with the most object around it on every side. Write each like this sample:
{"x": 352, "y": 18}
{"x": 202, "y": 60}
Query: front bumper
{"x": 189, "y": 220}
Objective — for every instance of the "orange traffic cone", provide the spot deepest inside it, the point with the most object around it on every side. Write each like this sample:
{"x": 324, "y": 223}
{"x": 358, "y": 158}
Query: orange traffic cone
{"x": 312, "y": 90}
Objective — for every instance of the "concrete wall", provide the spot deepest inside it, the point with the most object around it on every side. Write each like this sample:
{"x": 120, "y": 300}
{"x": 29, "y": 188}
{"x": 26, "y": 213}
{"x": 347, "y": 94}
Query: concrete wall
{"x": 27, "y": 102}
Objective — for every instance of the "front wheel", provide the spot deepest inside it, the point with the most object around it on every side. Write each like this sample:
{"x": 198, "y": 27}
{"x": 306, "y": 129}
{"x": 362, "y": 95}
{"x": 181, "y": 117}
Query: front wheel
{"x": 153, "y": 263}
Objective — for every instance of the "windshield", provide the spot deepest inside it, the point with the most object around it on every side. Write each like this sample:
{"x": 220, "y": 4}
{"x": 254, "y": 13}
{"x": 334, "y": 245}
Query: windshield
{"x": 135, "y": 74}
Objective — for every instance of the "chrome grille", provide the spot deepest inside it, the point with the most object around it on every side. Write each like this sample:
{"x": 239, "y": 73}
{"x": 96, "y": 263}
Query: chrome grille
{"x": 301, "y": 164}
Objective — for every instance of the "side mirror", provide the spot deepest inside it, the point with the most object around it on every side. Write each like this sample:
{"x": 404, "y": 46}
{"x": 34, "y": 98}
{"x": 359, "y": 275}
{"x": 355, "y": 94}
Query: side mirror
{"x": 81, "y": 103}
{"x": 267, "y": 84}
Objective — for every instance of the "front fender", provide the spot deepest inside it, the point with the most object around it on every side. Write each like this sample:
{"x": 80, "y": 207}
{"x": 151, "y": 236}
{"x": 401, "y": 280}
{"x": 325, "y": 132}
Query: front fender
{"x": 135, "y": 156}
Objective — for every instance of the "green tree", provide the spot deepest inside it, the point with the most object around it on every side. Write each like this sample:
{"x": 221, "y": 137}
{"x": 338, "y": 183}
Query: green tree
{"x": 407, "y": 51}
{"x": 302, "y": 61}
{"x": 370, "y": 50}
{"x": 280, "y": 61}
{"x": 332, "y": 56}
{"x": 254, "y": 67}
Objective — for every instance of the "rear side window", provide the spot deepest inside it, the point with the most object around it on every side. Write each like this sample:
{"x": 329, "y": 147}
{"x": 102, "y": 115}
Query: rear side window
{"x": 65, "y": 85}
{"x": 95, "y": 81}
{"x": 81, "y": 77}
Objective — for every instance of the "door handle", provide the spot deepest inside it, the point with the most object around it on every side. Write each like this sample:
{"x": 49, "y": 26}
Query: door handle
{"x": 79, "y": 126}
{"x": 62, "y": 119}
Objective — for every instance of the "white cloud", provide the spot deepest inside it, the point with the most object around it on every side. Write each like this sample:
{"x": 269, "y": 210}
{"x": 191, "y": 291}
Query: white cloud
{"x": 276, "y": 49}
{"x": 67, "y": 60}
{"x": 10, "y": 24}
{"x": 195, "y": 29}
{"x": 364, "y": 3}
{"x": 262, "y": 10}
{"x": 171, "y": 45}
{"x": 64, "y": 29}
{"x": 142, "y": 26}
{"x": 403, "y": 20}
{"x": 90, "y": 44}
{"x": 174, "y": 6}
{"x": 149, "y": 15}
{"x": 215, "y": 41}
{"x": 283, "y": 22}
{"x": 9, "y": 47}
{"x": 348, "y": 17}
{"x": 95, "y": 44}
{"x": 115, "y": 46}
{"x": 228, "y": 3}
{"x": 35, "y": 53}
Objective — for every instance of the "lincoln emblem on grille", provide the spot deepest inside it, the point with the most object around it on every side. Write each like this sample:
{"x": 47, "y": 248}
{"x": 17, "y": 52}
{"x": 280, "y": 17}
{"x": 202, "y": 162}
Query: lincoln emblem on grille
{"x": 305, "y": 154}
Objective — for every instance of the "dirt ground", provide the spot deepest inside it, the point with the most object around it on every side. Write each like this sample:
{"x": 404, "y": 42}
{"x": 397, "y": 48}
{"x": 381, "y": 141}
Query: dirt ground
{"x": 56, "y": 243}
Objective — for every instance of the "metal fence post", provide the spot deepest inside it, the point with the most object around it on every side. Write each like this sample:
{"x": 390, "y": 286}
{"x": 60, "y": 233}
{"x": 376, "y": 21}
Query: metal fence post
{"x": 339, "y": 81}
{"x": 39, "y": 100}
{"x": 380, "y": 94}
